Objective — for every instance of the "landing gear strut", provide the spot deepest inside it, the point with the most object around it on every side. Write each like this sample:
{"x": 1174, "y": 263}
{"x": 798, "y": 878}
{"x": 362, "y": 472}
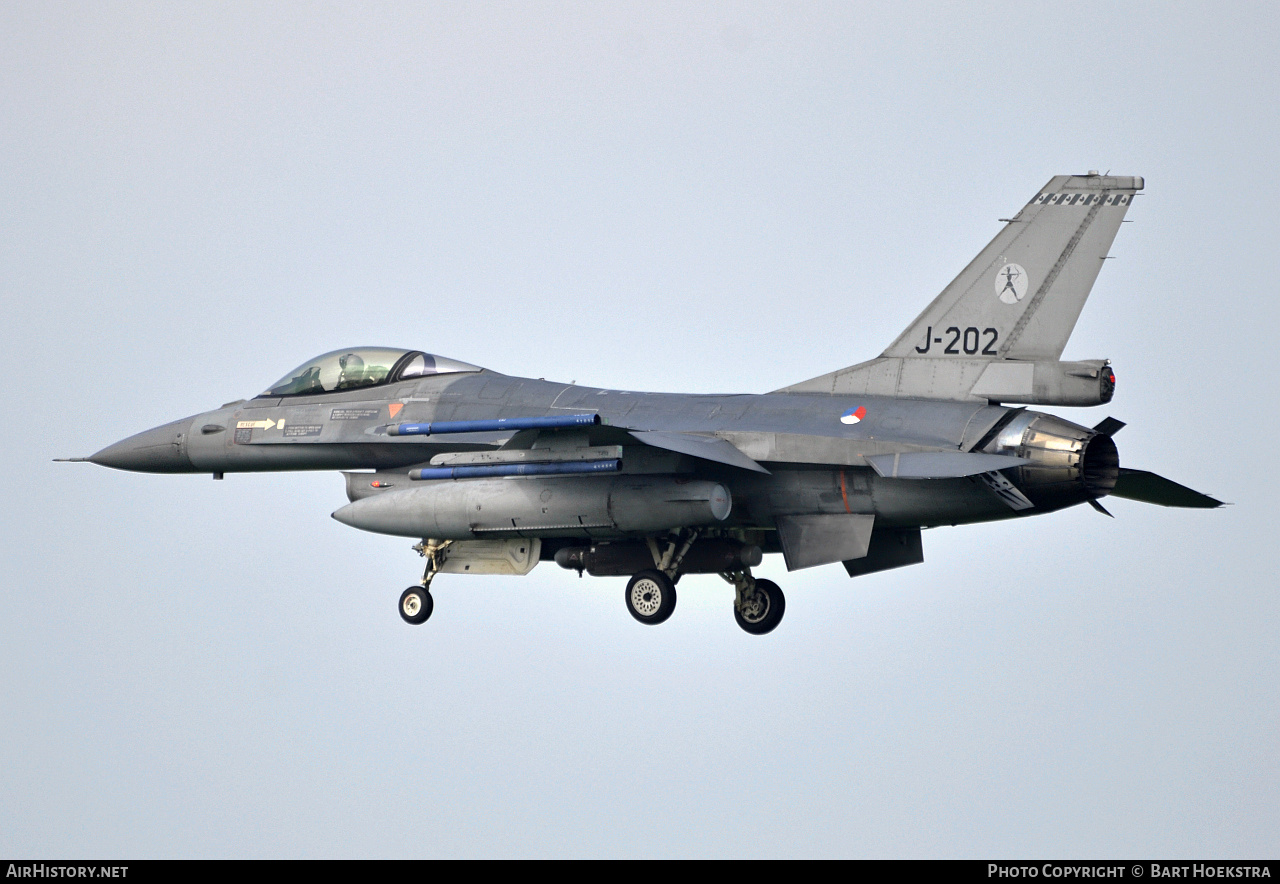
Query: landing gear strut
{"x": 651, "y": 594}
{"x": 416, "y": 603}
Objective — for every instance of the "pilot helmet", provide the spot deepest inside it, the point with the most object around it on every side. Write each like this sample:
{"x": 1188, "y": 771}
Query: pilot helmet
{"x": 352, "y": 369}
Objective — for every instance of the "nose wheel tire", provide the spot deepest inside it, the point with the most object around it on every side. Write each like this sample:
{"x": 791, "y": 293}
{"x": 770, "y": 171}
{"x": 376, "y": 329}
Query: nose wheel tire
{"x": 651, "y": 597}
{"x": 762, "y": 611}
{"x": 415, "y": 605}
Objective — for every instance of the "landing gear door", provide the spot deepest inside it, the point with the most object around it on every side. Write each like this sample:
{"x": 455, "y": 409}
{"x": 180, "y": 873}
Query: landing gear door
{"x": 514, "y": 557}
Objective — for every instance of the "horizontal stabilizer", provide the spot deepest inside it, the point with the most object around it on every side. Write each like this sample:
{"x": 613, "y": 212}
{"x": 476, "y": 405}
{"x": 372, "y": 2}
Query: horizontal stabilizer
{"x": 1109, "y": 426}
{"x": 1150, "y": 488}
{"x": 939, "y": 464}
{"x": 706, "y": 447}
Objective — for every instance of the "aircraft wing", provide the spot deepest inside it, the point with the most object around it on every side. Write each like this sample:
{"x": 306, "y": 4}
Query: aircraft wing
{"x": 710, "y": 448}
{"x": 706, "y": 447}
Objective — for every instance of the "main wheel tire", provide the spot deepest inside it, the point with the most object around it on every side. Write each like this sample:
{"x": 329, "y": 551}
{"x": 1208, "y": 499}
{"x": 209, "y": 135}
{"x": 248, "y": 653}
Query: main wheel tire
{"x": 764, "y": 612}
{"x": 416, "y": 605}
{"x": 651, "y": 597}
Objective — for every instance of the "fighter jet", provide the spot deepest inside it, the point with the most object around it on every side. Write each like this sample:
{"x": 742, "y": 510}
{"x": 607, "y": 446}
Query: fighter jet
{"x": 492, "y": 474}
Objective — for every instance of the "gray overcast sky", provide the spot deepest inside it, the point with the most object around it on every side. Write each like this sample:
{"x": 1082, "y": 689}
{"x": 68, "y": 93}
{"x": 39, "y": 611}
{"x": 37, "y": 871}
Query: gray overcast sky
{"x": 708, "y": 198}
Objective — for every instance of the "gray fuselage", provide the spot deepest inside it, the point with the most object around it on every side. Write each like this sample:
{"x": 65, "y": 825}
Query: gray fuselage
{"x": 816, "y": 461}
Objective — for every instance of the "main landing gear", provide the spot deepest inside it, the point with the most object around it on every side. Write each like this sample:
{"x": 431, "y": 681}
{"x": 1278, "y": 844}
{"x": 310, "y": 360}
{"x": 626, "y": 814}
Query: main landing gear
{"x": 758, "y": 605}
{"x": 651, "y": 597}
{"x": 416, "y": 603}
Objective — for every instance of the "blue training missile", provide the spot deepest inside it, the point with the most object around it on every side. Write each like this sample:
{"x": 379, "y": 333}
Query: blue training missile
{"x": 517, "y": 469}
{"x": 495, "y": 426}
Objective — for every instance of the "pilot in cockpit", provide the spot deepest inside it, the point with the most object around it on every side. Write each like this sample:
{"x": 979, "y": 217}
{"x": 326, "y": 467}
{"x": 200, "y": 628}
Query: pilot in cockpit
{"x": 352, "y": 374}
{"x": 362, "y": 367}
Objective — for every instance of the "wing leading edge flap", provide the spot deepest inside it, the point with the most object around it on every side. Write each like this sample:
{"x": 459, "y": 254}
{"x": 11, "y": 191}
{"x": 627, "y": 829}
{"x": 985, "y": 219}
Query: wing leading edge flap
{"x": 813, "y": 540}
{"x": 1150, "y": 488}
{"x": 706, "y": 447}
{"x": 939, "y": 464}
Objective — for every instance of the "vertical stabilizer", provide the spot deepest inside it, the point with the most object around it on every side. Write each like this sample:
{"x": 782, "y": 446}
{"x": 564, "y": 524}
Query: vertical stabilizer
{"x": 1015, "y": 304}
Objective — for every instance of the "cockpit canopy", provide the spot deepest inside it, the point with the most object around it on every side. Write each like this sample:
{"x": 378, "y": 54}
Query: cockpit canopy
{"x": 362, "y": 367}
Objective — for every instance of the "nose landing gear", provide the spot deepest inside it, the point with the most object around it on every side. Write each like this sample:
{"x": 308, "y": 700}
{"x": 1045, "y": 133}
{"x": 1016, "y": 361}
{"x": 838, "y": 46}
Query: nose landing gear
{"x": 416, "y": 603}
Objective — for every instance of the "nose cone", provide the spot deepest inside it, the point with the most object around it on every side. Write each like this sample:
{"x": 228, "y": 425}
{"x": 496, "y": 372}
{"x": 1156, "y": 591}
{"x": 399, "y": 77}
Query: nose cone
{"x": 159, "y": 450}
